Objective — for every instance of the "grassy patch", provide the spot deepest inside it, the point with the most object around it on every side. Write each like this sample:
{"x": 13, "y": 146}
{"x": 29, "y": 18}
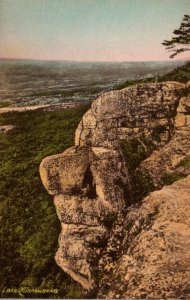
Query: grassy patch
{"x": 184, "y": 162}
{"x": 169, "y": 178}
{"x": 30, "y": 227}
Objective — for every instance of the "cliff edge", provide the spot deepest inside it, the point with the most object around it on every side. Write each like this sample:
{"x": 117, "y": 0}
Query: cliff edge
{"x": 114, "y": 239}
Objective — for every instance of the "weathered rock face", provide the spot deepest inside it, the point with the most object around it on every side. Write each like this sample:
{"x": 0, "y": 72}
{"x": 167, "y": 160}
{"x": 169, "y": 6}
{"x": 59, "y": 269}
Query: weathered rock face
{"x": 135, "y": 111}
{"x": 84, "y": 184}
{"x": 167, "y": 158}
{"x": 156, "y": 248}
{"x": 92, "y": 182}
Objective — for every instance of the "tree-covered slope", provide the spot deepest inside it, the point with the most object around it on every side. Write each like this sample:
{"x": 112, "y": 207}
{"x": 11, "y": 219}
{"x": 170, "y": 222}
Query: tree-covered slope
{"x": 180, "y": 74}
{"x": 29, "y": 225}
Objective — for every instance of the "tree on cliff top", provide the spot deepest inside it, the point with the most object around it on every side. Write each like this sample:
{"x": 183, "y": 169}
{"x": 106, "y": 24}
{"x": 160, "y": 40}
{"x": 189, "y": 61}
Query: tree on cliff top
{"x": 181, "y": 40}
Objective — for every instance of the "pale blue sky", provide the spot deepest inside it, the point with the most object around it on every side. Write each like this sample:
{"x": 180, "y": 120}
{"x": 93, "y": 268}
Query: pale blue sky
{"x": 88, "y": 30}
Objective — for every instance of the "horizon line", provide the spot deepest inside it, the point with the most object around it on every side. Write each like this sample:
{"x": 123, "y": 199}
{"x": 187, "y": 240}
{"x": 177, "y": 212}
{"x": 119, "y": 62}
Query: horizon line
{"x": 94, "y": 61}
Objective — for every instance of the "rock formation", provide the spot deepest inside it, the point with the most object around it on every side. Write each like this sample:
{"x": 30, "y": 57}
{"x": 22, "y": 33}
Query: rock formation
{"x": 156, "y": 248}
{"x": 96, "y": 193}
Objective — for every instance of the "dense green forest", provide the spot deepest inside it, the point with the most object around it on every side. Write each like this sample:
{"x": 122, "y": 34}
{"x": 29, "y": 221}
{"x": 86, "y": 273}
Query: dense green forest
{"x": 29, "y": 225}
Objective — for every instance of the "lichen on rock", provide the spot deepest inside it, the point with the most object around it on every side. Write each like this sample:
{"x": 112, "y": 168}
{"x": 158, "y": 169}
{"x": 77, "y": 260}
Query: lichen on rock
{"x": 93, "y": 182}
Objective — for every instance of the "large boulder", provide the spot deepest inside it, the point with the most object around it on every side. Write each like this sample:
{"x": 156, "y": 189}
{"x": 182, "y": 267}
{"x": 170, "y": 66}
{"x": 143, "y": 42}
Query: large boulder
{"x": 93, "y": 188}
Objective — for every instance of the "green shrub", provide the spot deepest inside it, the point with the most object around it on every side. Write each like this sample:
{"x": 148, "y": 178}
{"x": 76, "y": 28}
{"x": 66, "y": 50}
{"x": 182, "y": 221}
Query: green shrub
{"x": 135, "y": 151}
{"x": 142, "y": 185}
{"x": 169, "y": 178}
{"x": 184, "y": 162}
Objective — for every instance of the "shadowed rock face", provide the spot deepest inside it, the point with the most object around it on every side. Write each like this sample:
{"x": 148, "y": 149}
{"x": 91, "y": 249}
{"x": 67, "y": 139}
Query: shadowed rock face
{"x": 91, "y": 184}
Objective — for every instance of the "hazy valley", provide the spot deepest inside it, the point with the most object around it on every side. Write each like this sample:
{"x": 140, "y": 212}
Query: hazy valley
{"x": 27, "y": 82}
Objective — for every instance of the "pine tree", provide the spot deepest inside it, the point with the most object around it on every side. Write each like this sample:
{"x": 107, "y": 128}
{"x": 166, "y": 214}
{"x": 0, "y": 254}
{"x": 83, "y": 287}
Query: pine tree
{"x": 181, "y": 40}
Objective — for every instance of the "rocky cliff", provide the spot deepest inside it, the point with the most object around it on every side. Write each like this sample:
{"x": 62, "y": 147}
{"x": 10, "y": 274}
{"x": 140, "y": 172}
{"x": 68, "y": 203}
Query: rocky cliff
{"x": 114, "y": 239}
